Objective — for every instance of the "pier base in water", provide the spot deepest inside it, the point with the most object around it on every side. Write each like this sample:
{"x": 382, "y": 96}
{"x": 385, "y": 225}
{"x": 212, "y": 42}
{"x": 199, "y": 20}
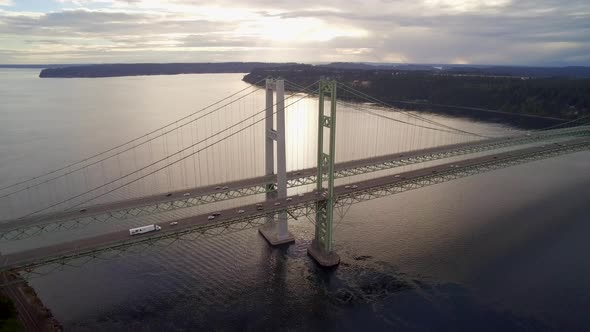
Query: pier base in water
{"x": 322, "y": 257}
{"x": 272, "y": 234}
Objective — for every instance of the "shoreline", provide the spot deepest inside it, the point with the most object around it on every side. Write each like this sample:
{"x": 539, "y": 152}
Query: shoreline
{"x": 30, "y": 310}
{"x": 151, "y": 69}
{"x": 473, "y": 113}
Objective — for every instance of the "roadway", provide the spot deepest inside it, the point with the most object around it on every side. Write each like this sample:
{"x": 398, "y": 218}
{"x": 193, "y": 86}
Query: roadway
{"x": 258, "y": 184}
{"x": 268, "y": 207}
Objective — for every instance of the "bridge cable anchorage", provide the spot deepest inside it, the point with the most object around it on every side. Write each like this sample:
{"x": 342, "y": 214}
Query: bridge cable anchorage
{"x": 162, "y": 159}
{"x": 364, "y": 96}
{"x": 255, "y": 89}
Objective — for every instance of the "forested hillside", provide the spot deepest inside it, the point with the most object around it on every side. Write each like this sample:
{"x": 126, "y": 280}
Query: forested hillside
{"x": 565, "y": 98}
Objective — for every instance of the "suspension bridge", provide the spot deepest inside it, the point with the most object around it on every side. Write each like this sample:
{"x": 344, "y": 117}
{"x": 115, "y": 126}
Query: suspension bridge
{"x": 306, "y": 152}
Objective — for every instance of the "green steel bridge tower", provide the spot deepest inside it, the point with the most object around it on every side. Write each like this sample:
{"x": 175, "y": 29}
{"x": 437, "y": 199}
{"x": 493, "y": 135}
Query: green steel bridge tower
{"x": 321, "y": 248}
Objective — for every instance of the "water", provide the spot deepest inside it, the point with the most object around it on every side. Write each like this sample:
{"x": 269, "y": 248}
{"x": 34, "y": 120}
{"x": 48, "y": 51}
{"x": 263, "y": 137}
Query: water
{"x": 499, "y": 251}
{"x": 130, "y": 107}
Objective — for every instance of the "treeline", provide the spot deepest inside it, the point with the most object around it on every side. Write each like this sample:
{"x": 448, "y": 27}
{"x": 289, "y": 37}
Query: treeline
{"x": 569, "y": 71}
{"x": 136, "y": 69}
{"x": 565, "y": 98}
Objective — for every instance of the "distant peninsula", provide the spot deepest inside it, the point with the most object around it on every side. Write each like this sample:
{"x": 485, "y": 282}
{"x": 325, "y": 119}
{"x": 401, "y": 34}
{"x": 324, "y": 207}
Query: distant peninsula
{"x": 560, "y": 93}
{"x": 137, "y": 69}
{"x": 549, "y": 92}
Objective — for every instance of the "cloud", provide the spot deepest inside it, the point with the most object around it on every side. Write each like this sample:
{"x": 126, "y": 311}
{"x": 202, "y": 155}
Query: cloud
{"x": 6, "y": 3}
{"x": 421, "y": 31}
{"x": 102, "y": 23}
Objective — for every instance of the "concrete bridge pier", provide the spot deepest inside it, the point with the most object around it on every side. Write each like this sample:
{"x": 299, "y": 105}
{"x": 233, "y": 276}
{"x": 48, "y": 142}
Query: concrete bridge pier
{"x": 276, "y": 232}
{"x": 323, "y": 257}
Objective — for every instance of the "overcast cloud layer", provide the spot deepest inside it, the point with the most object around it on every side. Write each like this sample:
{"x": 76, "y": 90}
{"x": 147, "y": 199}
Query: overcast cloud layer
{"x": 531, "y": 32}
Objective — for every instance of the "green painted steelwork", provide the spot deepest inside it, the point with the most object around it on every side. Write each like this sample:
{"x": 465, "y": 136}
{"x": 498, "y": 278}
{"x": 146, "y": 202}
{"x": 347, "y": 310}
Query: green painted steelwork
{"x": 353, "y": 196}
{"x": 325, "y": 170}
{"x": 24, "y": 229}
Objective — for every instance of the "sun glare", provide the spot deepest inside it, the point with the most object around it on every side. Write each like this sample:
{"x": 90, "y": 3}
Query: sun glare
{"x": 465, "y": 5}
{"x": 298, "y": 30}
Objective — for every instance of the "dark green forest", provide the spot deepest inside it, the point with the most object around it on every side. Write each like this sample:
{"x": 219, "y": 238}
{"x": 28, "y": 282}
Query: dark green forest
{"x": 559, "y": 97}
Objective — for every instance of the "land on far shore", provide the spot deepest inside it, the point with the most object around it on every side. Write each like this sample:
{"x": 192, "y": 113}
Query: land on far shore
{"x": 33, "y": 66}
{"x": 137, "y": 69}
{"x": 549, "y": 92}
{"x": 561, "y": 97}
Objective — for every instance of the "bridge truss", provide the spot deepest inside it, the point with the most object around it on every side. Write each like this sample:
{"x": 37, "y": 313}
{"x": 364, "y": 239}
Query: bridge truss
{"x": 21, "y": 229}
{"x": 367, "y": 190}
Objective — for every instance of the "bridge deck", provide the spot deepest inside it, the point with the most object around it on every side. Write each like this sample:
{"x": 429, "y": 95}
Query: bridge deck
{"x": 305, "y": 176}
{"x": 251, "y": 211}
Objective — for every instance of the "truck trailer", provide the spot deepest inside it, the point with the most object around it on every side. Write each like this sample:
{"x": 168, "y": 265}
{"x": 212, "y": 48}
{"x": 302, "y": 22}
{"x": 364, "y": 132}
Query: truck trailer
{"x": 144, "y": 229}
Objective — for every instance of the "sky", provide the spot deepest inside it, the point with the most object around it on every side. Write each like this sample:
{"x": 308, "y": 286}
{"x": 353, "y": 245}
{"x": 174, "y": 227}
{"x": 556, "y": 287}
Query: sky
{"x": 504, "y": 32}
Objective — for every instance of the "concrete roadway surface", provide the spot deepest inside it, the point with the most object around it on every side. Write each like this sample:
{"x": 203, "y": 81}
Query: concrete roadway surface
{"x": 35, "y": 255}
{"x": 221, "y": 188}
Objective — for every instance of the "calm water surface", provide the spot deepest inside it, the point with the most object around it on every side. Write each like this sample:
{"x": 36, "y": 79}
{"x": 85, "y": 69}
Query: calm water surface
{"x": 500, "y": 251}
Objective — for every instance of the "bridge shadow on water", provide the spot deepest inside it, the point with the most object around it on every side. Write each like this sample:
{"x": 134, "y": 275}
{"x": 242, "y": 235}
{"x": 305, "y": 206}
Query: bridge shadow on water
{"x": 379, "y": 297}
{"x": 237, "y": 282}
{"x": 288, "y": 291}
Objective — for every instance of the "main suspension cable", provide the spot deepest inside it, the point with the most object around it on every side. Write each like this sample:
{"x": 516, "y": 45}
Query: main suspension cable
{"x": 130, "y": 141}
{"x": 163, "y": 133}
{"x": 167, "y": 157}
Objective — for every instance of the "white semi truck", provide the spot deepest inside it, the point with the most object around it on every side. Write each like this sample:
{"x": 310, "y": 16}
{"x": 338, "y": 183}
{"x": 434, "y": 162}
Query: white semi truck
{"x": 144, "y": 229}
